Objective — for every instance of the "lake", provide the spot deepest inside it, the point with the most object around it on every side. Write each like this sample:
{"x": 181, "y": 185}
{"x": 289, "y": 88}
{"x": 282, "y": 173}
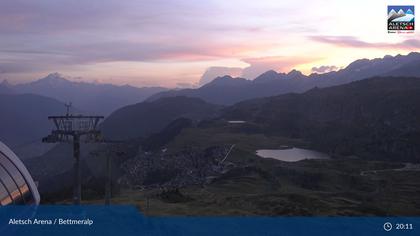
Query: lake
{"x": 291, "y": 154}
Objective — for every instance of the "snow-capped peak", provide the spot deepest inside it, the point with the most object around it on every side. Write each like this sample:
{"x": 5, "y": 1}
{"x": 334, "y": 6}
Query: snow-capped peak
{"x": 392, "y": 12}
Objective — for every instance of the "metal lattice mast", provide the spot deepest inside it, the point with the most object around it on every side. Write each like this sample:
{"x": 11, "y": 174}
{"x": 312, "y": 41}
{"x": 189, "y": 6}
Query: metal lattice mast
{"x": 70, "y": 128}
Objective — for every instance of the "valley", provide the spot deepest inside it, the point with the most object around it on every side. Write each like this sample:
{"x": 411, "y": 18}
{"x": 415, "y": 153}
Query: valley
{"x": 194, "y": 151}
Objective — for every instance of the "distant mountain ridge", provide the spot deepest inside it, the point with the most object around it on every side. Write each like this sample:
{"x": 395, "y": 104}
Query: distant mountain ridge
{"x": 145, "y": 118}
{"x": 100, "y": 99}
{"x": 226, "y": 90}
{"x": 23, "y": 117}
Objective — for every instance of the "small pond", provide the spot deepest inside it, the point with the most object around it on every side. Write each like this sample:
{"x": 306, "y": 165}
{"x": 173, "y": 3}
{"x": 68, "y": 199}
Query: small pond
{"x": 291, "y": 154}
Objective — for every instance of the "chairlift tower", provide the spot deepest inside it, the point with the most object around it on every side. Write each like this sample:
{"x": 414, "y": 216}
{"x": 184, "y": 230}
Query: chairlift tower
{"x": 70, "y": 129}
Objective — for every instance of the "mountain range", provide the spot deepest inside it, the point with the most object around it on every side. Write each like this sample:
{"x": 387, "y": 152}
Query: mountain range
{"x": 226, "y": 90}
{"x": 92, "y": 98}
{"x": 24, "y": 105}
{"x": 365, "y": 109}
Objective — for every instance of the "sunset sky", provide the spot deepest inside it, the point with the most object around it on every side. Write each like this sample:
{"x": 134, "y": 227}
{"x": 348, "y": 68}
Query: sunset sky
{"x": 172, "y": 43}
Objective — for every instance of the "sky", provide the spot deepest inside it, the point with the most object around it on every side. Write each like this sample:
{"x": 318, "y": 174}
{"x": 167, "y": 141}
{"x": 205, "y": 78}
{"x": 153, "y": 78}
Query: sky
{"x": 183, "y": 43}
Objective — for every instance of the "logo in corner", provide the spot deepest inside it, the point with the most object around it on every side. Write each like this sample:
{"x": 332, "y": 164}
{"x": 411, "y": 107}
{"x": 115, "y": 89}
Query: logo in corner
{"x": 400, "y": 19}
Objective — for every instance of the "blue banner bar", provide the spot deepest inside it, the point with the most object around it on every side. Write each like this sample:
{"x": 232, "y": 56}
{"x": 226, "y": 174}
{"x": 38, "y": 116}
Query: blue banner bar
{"x": 127, "y": 220}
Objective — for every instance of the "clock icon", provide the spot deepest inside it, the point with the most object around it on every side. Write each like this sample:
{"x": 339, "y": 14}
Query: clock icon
{"x": 387, "y": 226}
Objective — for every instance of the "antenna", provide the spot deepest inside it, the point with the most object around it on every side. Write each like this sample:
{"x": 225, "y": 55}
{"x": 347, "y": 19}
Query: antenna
{"x": 68, "y": 106}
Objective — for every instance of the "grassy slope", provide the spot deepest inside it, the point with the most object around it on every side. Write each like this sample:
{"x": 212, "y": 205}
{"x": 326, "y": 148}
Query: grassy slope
{"x": 271, "y": 187}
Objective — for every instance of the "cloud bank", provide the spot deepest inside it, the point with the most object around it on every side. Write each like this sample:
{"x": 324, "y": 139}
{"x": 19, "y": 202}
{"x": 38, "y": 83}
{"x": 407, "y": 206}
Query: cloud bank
{"x": 350, "y": 41}
{"x": 324, "y": 69}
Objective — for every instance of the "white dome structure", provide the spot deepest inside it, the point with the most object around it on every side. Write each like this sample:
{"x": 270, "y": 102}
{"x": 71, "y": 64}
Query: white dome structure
{"x": 16, "y": 184}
